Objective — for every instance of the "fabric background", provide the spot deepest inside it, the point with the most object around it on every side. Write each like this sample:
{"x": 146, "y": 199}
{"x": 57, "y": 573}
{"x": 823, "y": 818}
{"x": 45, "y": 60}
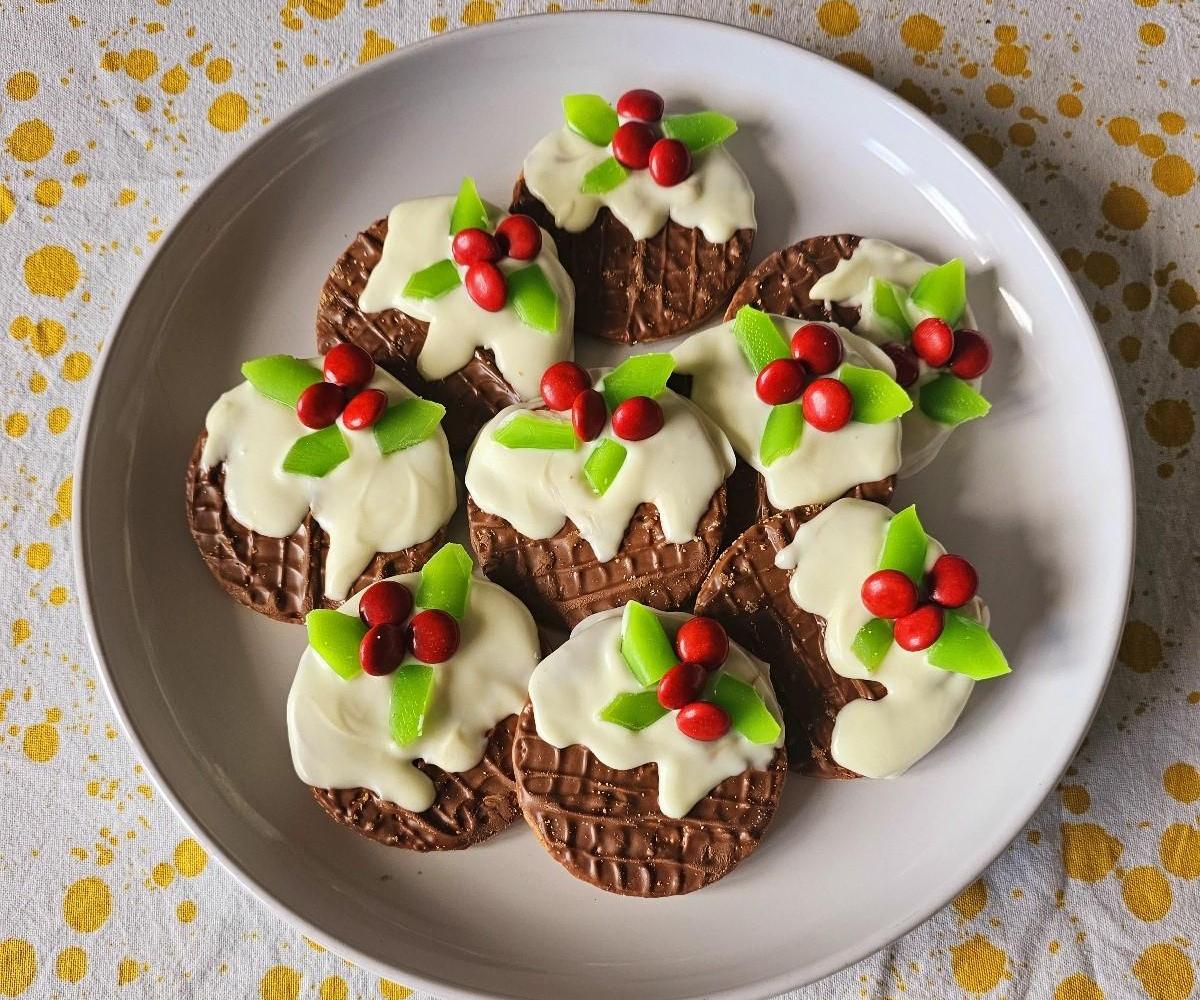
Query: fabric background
{"x": 112, "y": 112}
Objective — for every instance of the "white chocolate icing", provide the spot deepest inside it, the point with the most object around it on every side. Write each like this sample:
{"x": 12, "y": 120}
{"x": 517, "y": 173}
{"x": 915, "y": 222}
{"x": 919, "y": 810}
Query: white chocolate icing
{"x": 570, "y": 687}
{"x": 419, "y": 235}
{"x": 825, "y": 464}
{"x": 338, "y": 729}
{"x": 716, "y": 197}
{"x": 678, "y": 470}
{"x": 848, "y": 284}
{"x": 829, "y": 559}
{"x": 370, "y": 503}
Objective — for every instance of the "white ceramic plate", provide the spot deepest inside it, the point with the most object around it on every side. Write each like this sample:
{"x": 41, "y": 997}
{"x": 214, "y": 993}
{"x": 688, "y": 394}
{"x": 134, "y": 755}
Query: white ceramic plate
{"x": 1039, "y": 495}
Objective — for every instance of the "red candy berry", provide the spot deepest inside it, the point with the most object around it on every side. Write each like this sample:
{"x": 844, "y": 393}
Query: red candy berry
{"x": 681, "y": 685}
{"x": 952, "y": 581}
{"x": 434, "y": 636}
{"x": 520, "y": 237}
{"x": 827, "y": 404}
{"x": 972, "y": 354}
{"x": 818, "y": 347}
{"x": 644, "y": 105}
{"x": 889, "y": 593}
{"x": 703, "y": 641}
{"x": 636, "y": 419}
{"x": 781, "y": 381}
{"x": 349, "y": 366}
{"x": 382, "y": 649}
{"x": 561, "y": 383}
{"x": 470, "y": 246}
{"x": 364, "y": 409}
{"x": 631, "y": 144}
{"x": 670, "y": 162}
{"x": 385, "y": 603}
{"x": 588, "y": 415}
{"x": 933, "y": 340}
{"x": 918, "y": 630}
{"x": 907, "y": 368}
{"x": 702, "y": 720}
{"x": 486, "y": 286}
{"x": 320, "y": 404}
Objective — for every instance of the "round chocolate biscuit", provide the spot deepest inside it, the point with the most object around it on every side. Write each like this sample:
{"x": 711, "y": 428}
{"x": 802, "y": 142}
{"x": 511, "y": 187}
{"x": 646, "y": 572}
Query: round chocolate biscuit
{"x": 782, "y": 282}
{"x": 472, "y": 395}
{"x": 748, "y": 594}
{"x": 468, "y": 808}
{"x": 631, "y": 291}
{"x": 562, "y": 582}
{"x": 283, "y": 578}
{"x": 605, "y": 828}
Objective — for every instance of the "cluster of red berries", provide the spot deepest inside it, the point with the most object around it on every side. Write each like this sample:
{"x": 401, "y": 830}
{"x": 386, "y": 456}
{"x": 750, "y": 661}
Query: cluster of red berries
{"x": 816, "y": 352}
{"x": 702, "y": 646}
{"x": 431, "y": 635}
{"x": 517, "y": 236}
{"x": 889, "y": 593}
{"x": 638, "y": 144}
{"x": 567, "y": 386}
{"x": 347, "y": 368}
{"x": 965, "y": 353}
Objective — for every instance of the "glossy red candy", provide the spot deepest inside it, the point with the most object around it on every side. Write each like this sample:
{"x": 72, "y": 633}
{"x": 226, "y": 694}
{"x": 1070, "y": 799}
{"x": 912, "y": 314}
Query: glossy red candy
{"x": 702, "y": 720}
{"x": 670, "y": 162}
{"x": 952, "y": 581}
{"x": 780, "y": 381}
{"x": 588, "y": 415}
{"x": 818, "y": 347}
{"x": 644, "y": 105}
{"x": 561, "y": 383}
{"x": 933, "y": 340}
{"x": 520, "y": 237}
{"x": 364, "y": 409}
{"x": 907, "y": 367}
{"x": 972, "y": 354}
{"x": 349, "y": 366}
{"x": 636, "y": 419}
{"x": 382, "y": 649}
{"x": 920, "y": 629}
{"x": 385, "y": 603}
{"x": 632, "y": 143}
{"x": 470, "y": 246}
{"x": 889, "y": 593}
{"x": 320, "y": 404}
{"x": 827, "y": 404}
{"x": 702, "y": 640}
{"x": 486, "y": 286}
{"x": 681, "y": 685}
{"x": 433, "y": 635}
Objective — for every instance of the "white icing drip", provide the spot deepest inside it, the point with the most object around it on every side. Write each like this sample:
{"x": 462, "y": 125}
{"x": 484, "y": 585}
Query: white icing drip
{"x": 830, "y": 558}
{"x": 678, "y": 470}
{"x": 716, "y": 197}
{"x": 824, "y": 465}
{"x": 370, "y": 503}
{"x": 419, "y": 235}
{"x": 572, "y": 685}
{"x": 338, "y": 729}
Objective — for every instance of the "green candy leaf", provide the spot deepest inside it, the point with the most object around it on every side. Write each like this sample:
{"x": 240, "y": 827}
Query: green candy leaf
{"x": 747, "y": 711}
{"x": 280, "y": 377}
{"x": 532, "y": 297}
{"x": 700, "y": 130}
{"x": 877, "y": 396}
{"x": 641, "y": 375}
{"x": 942, "y": 291}
{"x": 407, "y": 423}
{"x": 433, "y": 281}
{"x": 335, "y": 638}
{"x": 603, "y": 177}
{"x": 781, "y": 436}
{"x": 872, "y": 642}
{"x": 446, "y": 581}
{"x": 469, "y": 211}
{"x": 317, "y": 454}
{"x": 412, "y": 694}
{"x": 759, "y": 337}
{"x": 633, "y": 710}
{"x": 904, "y": 545}
{"x": 591, "y": 116}
{"x": 950, "y": 400}
{"x": 603, "y": 464}
{"x": 966, "y": 647}
{"x": 644, "y": 644}
{"x": 524, "y": 430}
{"x": 887, "y": 303}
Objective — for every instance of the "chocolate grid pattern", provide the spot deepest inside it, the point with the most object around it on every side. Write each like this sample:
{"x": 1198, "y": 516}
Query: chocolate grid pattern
{"x": 782, "y": 283}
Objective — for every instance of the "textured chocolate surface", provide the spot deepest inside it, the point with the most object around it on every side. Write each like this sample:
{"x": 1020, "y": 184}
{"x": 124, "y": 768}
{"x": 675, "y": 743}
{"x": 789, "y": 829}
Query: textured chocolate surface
{"x": 749, "y": 596}
{"x": 604, "y": 825}
{"x": 469, "y": 807}
{"x": 283, "y": 578}
{"x": 630, "y": 290}
{"x": 561, "y": 581}
{"x": 472, "y": 395}
{"x": 782, "y": 282}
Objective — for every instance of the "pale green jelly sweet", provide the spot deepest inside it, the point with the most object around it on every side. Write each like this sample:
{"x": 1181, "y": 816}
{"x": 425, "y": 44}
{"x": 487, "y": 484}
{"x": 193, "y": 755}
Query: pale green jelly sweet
{"x": 317, "y": 454}
{"x": 412, "y": 694}
{"x": 904, "y": 545}
{"x": 432, "y": 282}
{"x": 603, "y": 464}
{"x": 748, "y": 713}
{"x": 700, "y": 130}
{"x": 280, "y": 377}
{"x": 872, "y": 642}
{"x": 759, "y": 337}
{"x": 524, "y": 430}
{"x": 887, "y": 304}
{"x": 644, "y": 644}
{"x": 533, "y": 298}
{"x": 966, "y": 647}
{"x": 782, "y": 433}
{"x": 591, "y": 116}
{"x": 878, "y": 398}
{"x": 603, "y": 177}
{"x": 407, "y": 423}
{"x": 942, "y": 291}
{"x": 950, "y": 400}
{"x": 446, "y": 581}
{"x": 633, "y": 710}
{"x": 335, "y": 638}
{"x": 469, "y": 211}
{"x": 641, "y": 375}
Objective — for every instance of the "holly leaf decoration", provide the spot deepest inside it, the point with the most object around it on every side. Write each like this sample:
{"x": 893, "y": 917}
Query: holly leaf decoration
{"x": 446, "y": 581}
{"x": 640, "y": 375}
{"x": 966, "y": 647}
{"x": 317, "y": 454}
{"x": 748, "y": 713}
{"x": 591, "y": 116}
{"x": 533, "y": 298}
{"x": 700, "y": 130}
{"x": 877, "y": 396}
{"x": 432, "y": 282}
{"x": 407, "y": 423}
{"x": 950, "y": 400}
{"x": 412, "y": 694}
{"x": 634, "y": 710}
{"x": 887, "y": 305}
{"x": 280, "y": 377}
{"x": 603, "y": 464}
{"x": 644, "y": 644}
{"x": 335, "y": 638}
{"x": 905, "y": 545}
{"x": 759, "y": 337}
{"x": 782, "y": 433}
{"x": 469, "y": 211}
{"x": 524, "y": 430}
{"x": 872, "y": 642}
{"x": 942, "y": 291}
{"x": 603, "y": 177}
